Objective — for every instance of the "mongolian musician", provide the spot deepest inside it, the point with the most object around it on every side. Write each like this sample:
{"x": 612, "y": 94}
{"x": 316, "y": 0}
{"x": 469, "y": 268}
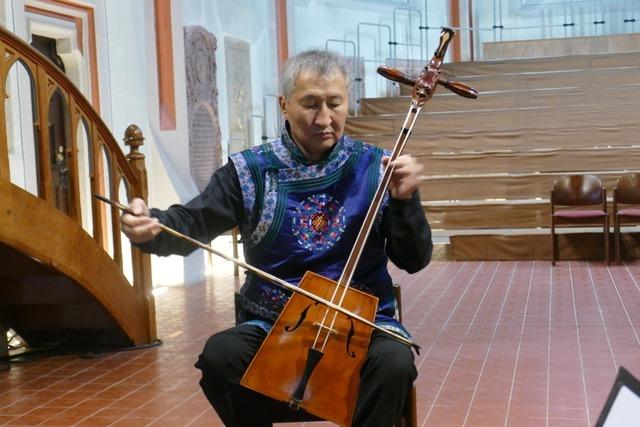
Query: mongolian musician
{"x": 299, "y": 202}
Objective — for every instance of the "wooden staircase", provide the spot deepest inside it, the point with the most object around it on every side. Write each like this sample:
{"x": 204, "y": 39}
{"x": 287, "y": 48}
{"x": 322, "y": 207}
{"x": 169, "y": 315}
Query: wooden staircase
{"x": 59, "y": 283}
{"x": 490, "y": 163}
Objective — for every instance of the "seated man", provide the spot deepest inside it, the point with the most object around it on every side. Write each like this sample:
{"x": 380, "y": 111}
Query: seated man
{"x": 300, "y": 202}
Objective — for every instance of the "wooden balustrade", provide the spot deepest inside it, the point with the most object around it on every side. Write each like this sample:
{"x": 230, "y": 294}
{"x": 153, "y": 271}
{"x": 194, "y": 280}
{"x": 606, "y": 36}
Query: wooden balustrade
{"x": 108, "y": 167}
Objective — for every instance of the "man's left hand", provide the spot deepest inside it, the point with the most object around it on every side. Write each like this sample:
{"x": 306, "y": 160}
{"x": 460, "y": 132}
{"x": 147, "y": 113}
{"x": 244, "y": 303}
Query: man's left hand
{"x": 406, "y": 176}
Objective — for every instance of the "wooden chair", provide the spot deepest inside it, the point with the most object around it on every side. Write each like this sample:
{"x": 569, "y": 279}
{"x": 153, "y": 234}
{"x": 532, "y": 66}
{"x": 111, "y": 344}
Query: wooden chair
{"x": 626, "y": 192}
{"x": 235, "y": 239}
{"x": 409, "y": 416}
{"x": 234, "y": 242}
{"x": 578, "y": 200}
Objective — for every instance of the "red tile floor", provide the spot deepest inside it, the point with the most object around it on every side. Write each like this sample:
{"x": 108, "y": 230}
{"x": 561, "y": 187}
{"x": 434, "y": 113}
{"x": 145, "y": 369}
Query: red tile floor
{"x": 503, "y": 344}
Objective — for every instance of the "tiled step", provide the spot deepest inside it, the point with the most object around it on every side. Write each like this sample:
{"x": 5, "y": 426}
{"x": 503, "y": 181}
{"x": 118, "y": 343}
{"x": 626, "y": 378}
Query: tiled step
{"x": 531, "y": 161}
{"x": 478, "y": 214}
{"x": 533, "y": 65}
{"x": 557, "y": 96}
{"x": 500, "y": 186}
{"x": 592, "y": 77}
{"x": 508, "y": 137}
{"x": 478, "y": 121}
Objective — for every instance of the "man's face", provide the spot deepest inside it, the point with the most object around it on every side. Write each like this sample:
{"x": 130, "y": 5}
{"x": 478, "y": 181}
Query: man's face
{"x": 316, "y": 110}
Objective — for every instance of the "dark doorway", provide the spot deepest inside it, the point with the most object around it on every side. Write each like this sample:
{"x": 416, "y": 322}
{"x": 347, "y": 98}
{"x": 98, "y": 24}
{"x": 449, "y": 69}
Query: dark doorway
{"x": 59, "y": 141}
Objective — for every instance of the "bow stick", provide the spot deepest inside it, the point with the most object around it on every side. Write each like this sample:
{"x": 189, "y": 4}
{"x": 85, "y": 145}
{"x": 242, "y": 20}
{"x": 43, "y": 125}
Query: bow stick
{"x": 271, "y": 278}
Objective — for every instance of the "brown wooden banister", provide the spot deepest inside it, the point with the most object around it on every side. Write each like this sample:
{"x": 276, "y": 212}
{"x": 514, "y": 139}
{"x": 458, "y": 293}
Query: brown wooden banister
{"x": 136, "y": 316}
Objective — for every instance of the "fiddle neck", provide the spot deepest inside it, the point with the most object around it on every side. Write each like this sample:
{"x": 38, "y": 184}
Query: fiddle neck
{"x": 376, "y": 203}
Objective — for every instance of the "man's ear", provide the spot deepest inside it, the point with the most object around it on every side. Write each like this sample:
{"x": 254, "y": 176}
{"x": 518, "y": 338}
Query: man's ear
{"x": 283, "y": 105}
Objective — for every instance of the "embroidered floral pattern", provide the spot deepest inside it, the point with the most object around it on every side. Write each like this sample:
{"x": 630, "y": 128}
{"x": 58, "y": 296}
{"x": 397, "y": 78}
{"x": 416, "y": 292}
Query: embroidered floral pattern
{"x": 249, "y": 307}
{"x": 298, "y": 169}
{"x": 246, "y": 183}
{"x": 282, "y": 149}
{"x": 273, "y": 298}
{"x": 320, "y": 170}
{"x": 271, "y": 172}
{"x": 293, "y": 169}
{"x": 319, "y": 222}
{"x": 268, "y": 209}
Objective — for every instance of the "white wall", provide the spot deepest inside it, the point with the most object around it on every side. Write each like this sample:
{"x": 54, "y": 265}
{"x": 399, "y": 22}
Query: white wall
{"x": 129, "y": 95}
{"x": 248, "y": 20}
{"x": 126, "y": 69}
{"x": 313, "y": 22}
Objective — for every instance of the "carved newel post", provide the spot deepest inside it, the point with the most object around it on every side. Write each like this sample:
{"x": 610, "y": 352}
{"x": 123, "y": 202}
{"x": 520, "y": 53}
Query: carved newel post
{"x": 141, "y": 261}
{"x": 134, "y": 139}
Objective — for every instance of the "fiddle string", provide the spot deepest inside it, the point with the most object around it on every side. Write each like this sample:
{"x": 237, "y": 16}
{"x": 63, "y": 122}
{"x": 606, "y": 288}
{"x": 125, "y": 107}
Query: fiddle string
{"x": 356, "y": 252}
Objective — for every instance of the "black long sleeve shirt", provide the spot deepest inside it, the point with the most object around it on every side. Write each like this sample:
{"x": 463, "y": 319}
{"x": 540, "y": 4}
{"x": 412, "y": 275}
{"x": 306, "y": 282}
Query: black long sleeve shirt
{"x": 220, "y": 208}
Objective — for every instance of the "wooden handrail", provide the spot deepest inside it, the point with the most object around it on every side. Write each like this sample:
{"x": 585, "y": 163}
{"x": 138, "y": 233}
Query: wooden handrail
{"x": 47, "y": 79}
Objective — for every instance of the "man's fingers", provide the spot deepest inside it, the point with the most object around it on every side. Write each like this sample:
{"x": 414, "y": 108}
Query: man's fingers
{"x": 140, "y": 227}
{"x": 406, "y": 166}
{"x": 142, "y": 231}
{"x": 403, "y": 162}
{"x": 406, "y": 176}
{"x": 135, "y": 221}
{"x": 139, "y": 207}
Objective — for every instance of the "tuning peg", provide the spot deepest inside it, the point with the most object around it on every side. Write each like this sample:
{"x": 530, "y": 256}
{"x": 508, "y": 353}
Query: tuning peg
{"x": 459, "y": 88}
{"x": 446, "y": 35}
{"x": 456, "y": 87}
{"x": 395, "y": 75}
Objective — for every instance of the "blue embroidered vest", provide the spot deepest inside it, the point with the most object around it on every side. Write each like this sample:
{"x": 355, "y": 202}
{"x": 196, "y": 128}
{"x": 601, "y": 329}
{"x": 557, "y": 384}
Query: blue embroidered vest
{"x": 305, "y": 217}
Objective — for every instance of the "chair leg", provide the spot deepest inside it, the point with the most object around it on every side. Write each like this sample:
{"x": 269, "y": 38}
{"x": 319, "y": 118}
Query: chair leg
{"x": 616, "y": 235}
{"x": 410, "y": 413}
{"x": 554, "y": 243}
{"x": 234, "y": 242}
{"x": 606, "y": 239}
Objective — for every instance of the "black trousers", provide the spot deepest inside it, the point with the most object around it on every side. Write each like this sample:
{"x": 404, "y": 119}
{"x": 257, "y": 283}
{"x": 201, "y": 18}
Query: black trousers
{"x": 386, "y": 378}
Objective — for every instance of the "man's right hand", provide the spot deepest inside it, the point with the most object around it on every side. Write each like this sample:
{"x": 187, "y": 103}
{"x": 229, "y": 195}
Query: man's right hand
{"x": 141, "y": 228}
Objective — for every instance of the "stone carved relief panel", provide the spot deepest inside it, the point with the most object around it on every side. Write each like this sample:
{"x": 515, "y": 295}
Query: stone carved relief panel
{"x": 238, "y": 68}
{"x": 205, "y": 144}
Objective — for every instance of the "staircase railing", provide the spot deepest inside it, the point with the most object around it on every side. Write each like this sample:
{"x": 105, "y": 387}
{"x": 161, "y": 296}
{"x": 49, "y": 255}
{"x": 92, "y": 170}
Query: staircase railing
{"x": 109, "y": 168}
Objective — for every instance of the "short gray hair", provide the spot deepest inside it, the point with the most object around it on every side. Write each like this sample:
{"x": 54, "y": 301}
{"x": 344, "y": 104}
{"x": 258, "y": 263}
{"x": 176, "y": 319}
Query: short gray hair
{"x": 317, "y": 61}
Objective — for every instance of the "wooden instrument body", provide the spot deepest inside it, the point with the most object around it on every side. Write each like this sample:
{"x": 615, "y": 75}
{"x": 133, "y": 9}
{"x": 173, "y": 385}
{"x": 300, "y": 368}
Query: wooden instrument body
{"x": 278, "y": 365}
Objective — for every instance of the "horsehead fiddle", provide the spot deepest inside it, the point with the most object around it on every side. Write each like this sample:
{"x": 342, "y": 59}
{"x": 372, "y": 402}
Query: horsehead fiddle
{"x": 312, "y": 357}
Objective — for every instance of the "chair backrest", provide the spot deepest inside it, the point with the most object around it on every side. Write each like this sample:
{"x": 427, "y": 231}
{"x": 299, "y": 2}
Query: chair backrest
{"x": 628, "y": 189}
{"x": 577, "y": 190}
